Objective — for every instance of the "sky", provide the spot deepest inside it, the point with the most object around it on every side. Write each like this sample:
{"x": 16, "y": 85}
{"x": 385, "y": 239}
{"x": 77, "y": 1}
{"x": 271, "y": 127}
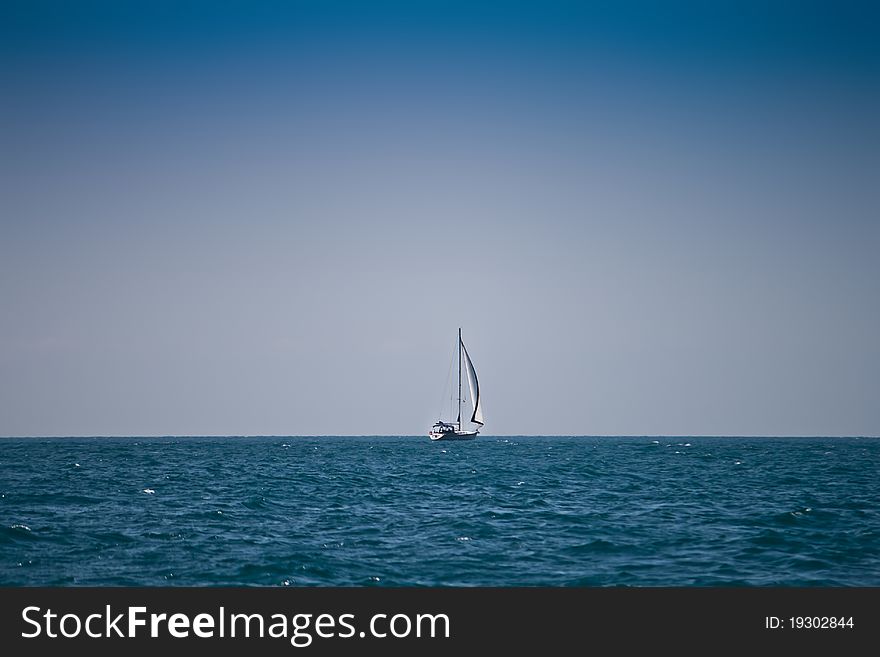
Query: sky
{"x": 271, "y": 218}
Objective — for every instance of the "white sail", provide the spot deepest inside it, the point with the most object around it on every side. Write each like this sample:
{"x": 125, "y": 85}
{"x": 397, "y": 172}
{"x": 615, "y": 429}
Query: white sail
{"x": 474, "y": 386}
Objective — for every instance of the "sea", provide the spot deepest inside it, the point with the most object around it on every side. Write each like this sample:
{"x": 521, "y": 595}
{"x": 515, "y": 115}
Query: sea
{"x": 405, "y": 511}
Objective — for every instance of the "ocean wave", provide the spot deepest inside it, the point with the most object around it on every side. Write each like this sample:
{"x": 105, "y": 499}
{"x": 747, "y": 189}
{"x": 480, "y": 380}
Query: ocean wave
{"x": 535, "y": 512}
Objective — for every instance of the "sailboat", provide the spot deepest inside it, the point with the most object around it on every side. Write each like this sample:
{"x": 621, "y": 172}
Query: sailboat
{"x": 452, "y": 430}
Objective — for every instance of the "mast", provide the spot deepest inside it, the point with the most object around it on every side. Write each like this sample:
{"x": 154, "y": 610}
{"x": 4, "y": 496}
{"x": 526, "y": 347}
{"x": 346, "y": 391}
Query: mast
{"x": 459, "y": 379}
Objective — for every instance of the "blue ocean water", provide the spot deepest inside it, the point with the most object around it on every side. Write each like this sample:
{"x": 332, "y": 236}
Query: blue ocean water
{"x": 405, "y": 511}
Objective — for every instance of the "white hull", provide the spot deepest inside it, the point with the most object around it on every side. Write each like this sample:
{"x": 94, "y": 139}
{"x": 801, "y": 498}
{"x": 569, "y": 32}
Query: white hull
{"x": 454, "y": 435}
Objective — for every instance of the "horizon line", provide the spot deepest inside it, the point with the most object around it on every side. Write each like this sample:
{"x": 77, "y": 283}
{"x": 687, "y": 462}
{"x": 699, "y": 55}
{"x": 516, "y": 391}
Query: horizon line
{"x": 371, "y": 435}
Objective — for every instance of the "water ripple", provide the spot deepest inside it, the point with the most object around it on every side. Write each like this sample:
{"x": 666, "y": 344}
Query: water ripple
{"x": 402, "y": 511}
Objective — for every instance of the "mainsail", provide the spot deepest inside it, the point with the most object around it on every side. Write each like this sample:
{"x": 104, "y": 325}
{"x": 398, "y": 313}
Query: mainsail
{"x": 474, "y": 386}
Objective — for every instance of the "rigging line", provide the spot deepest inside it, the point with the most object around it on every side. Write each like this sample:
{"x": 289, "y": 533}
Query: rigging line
{"x": 448, "y": 378}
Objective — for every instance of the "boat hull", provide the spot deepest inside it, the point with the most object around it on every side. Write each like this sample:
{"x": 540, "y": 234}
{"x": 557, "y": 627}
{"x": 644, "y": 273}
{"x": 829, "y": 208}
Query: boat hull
{"x": 454, "y": 435}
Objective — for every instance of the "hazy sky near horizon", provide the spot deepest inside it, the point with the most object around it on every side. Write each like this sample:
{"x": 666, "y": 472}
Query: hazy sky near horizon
{"x": 272, "y": 218}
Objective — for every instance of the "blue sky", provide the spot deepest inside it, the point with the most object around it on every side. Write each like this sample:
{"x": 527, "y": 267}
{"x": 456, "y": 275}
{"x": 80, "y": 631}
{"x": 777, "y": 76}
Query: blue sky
{"x": 271, "y": 218}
